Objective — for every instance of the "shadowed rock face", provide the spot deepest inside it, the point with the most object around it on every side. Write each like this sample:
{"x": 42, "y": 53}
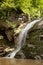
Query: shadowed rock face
{"x": 34, "y": 42}
{"x": 1, "y": 50}
{"x": 33, "y": 47}
{"x": 7, "y": 31}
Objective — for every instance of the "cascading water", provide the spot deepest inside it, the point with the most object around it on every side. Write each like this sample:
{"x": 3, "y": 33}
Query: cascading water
{"x": 22, "y": 37}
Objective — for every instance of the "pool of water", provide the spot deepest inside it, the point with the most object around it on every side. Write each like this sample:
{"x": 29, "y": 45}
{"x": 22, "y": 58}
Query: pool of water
{"x": 7, "y": 61}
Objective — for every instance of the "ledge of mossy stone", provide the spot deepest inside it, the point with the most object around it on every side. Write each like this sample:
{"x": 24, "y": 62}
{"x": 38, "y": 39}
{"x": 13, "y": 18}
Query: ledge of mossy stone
{"x": 1, "y": 37}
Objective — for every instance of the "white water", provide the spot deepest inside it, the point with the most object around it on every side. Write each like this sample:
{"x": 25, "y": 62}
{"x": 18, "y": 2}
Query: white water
{"x": 22, "y": 37}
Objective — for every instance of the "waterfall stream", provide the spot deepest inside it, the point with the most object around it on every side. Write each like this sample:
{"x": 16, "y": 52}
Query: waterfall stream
{"x": 22, "y": 38}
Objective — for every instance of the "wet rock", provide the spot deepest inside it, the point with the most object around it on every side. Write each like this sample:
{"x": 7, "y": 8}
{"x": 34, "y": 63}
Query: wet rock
{"x": 34, "y": 43}
{"x": 9, "y": 34}
{"x": 1, "y": 50}
{"x": 20, "y": 55}
{"x": 4, "y": 24}
{"x": 24, "y": 17}
{"x": 8, "y": 49}
{"x": 37, "y": 57}
{"x": 40, "y": 25}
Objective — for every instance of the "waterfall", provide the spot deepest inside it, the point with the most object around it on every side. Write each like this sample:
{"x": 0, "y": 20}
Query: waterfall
{"x": 22, "y": 38}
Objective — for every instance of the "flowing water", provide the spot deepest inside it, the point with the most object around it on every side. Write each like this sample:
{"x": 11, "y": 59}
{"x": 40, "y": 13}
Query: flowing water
{"x": 22, "y": 38}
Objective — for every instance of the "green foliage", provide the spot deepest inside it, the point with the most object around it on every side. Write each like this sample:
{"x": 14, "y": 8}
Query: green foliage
{"x": 7, "y": 3}
{"x": 34, "y": 7}
{"x": 11, "y": 24}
